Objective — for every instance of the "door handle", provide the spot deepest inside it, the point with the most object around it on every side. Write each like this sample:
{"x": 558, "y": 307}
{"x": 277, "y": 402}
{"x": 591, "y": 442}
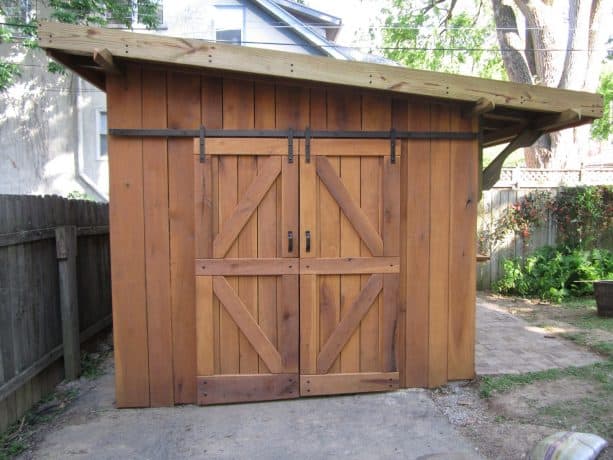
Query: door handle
{"x": 307, "y": 236}
{"x": 290, "y": 241}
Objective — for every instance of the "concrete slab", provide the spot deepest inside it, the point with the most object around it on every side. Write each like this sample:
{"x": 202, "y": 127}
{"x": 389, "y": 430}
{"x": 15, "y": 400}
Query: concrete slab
{"x": 509, "y": 345}
{"x": 404, "y": 424}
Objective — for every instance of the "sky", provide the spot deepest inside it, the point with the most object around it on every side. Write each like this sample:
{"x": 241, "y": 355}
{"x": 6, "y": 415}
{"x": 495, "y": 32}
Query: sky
{"x": 356, "y": 15}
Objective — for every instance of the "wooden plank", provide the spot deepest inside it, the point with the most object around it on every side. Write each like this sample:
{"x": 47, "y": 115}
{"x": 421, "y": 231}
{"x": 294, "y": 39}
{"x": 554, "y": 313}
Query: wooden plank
{"x": 248, "y": 247}
{"x": 249, "y": 201}
{"x": 247, "y": 388}
{"x": 242, "y": 146}
{"x": 391, "y": 339}
{"x": 157, "y": 246}
{"x": 462, "y": 254}
{"x": 184, "y": 111}
{"x": 354, "y": 213}
{"x": 309, "y": 323}
{"x": 269, "y": 230}
{"x": 128, "y": 242}
{"x": 376, "y": 115}
{"x": 439, "y": 250}
{"x": 354, "y": 147}
{"x": 349, "y": 265}
{"x": 201, "y": 53}
{"x": 247, "y": 267}
{"x": 204, "y": 325}
{"x": 66, "y": 248}
{"x": 212, "y": 117}
{"x": 415, "y": 248}
{"x": 347, "y": 383}
{"x": 288, "y": 317}
{"x": 351, "y": 357}
{"x": 247, "y": 325}
{"x": 342, "y": 333}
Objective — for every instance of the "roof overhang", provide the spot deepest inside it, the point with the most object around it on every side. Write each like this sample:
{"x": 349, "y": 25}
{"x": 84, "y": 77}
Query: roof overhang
{"x": 506, "y": 109}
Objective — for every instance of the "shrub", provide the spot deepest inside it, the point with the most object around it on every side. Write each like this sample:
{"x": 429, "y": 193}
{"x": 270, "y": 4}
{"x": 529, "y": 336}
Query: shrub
{"x": 584, "y": 215}
{"x": 551, "y": 273}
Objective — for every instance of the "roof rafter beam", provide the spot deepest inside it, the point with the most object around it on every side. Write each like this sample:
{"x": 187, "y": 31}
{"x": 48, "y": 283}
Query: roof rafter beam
{"x": 104, "y": 59}
{"x": 491, "y": 173}
{"x": 95, "y": 78}
{"x": 483, "y": 105}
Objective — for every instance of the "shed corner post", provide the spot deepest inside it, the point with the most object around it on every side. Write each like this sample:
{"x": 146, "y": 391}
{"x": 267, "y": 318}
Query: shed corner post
{"x": 66, "y": 252}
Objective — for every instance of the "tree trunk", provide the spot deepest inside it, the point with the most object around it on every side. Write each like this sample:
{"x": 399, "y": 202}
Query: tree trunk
{"x": 563, "y": 48}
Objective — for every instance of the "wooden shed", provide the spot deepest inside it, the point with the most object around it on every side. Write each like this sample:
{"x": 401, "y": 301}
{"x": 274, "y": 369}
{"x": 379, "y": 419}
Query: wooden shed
{"x": 285, "y": 225}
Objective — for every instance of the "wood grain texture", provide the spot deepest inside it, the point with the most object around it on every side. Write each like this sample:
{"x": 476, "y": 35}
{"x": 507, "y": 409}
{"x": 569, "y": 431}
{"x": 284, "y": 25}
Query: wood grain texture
{"x": 127, "y": 235}
{"x": 205, "y": 357}
{"x": 269, "y": 225}
{"x": 439, "y": 250}
{"x": 242, "y": 146}
{"x": 350, "y": 321}
{"x": 184, "y": 111}
{"x": 239, "y": 312}
{"x": 351, "y": 209}
{"x": 309, "y": 323}
{"x": 354, "y": 147}
{"x": 247, "y": 388}
{"x": 347, "y": 383}
{"x": 249, "y": 200}
{"x": 462, "y": 253}
{"x": 157, "y": 237}
{"x": 350, "y": 265}
{"x": 288, "y": 319}
{"x": 200, "y": 53}
{"x": 415, "y": 248}
{"x": 247, "y": 267}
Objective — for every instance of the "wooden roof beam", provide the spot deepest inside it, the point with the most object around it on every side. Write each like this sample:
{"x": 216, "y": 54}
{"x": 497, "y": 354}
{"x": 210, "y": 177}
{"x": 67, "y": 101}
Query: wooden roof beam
{"x": 483, "y": 105}
{"x": 95, "y": 78}
{"x": 202, "y": 54}
{"x": 104, "y": 59}
{"x": 491, "y": 173}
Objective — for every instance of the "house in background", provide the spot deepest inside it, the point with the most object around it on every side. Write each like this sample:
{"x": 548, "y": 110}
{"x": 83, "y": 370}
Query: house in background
{"x": 54, "y": 128}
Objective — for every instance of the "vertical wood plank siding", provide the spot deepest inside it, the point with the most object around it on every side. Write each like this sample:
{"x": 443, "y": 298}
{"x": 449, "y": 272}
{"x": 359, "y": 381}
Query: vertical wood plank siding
{"x": 152, "y": 229}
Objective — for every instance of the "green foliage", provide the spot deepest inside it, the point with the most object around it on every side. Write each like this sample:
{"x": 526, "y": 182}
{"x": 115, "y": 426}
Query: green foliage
{"x": 77, "y": 195}
{"x": 551, "y": 273}
{"x": 584, "y": 215}
{"x": 521, "y": 218}
{"x": 433, "y": 36}
{"x": 8, "y": 72}
{"x": 22, "y": 28}
{"x": 603, "y": 127}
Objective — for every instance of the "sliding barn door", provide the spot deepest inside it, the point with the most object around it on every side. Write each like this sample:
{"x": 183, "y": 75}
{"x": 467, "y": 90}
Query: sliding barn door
{"x": 349, "y": 282}
{"x": 247, "y": 291}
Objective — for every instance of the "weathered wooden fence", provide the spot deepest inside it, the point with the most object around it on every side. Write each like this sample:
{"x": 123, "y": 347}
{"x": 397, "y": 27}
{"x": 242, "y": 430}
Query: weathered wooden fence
{"x": 513, "y": 184}
{"x": 40, "y": 288}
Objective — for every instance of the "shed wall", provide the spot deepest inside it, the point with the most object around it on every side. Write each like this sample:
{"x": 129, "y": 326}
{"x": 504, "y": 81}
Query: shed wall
{"x": 152, "y": 222}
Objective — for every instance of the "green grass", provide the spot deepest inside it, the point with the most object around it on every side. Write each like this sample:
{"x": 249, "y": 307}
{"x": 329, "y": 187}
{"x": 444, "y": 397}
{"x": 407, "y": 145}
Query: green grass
{"x": 587, "y": 316}
{"x": 601, "y": 373}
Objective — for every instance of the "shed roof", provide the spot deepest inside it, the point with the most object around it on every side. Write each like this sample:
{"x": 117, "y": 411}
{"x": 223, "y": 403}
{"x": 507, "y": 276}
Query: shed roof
{"x": 507, "y": 108}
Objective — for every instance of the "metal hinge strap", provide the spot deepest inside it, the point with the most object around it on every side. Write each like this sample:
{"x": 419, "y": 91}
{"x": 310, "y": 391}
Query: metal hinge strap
{"x": 307, "y": 144}
{"x": 290, "y": 146}
{"x": 393, "y": 146}
{"x": 202, "y": 135}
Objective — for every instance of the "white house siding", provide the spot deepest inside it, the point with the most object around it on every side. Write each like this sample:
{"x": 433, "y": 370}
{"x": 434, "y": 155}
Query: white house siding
{"x": 48, "y": 123}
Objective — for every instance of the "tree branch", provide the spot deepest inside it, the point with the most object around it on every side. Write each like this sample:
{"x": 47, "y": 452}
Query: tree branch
{"x": 575, "y": 61}
{"x": 510, "y": 43}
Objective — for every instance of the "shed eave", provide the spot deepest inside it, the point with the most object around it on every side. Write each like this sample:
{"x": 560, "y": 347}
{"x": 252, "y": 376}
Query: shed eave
{"x": 528, "y": 100}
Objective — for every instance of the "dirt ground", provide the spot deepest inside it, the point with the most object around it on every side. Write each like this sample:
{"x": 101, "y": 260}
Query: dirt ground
{"x": 502, "y": 425}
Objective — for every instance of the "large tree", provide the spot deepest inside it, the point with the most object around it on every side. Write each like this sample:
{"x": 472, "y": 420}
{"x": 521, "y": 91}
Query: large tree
{"x": 554, "y": 43}
{"x": 557, "y": 44}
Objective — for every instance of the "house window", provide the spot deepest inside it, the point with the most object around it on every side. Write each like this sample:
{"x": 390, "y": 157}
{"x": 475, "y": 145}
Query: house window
{"x": 137, "y": 14}
{"x": 101, "y": 136}
{"x": 229, "y": 24}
